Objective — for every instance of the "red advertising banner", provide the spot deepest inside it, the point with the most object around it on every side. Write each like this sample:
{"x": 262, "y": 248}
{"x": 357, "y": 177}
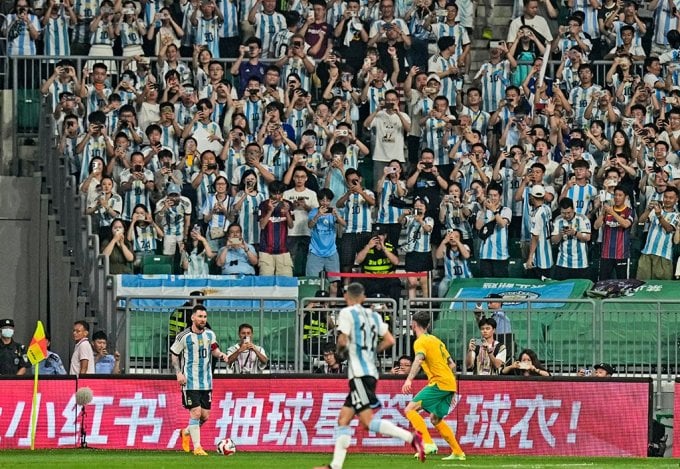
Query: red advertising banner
{"x": 571, "y": 417}
{"x": 676, "y": 420}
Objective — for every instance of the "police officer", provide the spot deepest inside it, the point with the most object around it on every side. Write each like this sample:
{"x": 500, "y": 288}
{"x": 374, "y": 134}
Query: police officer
{"x": 12, "y": 354}
{"x": 379, "y": 257}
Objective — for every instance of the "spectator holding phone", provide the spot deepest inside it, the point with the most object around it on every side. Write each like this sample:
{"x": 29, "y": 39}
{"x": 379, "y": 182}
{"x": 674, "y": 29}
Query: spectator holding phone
{"x": 118, "y": 250}
{"x": 601, "y": 370}
{"x": 615, "y": 219}
{"x": 527, "y": 364}
{"x": 378, "y": 257}
{"x": 323, "y": 252}
{"x": 245, "y": 357}
{"x": 486, "y": 356}
{"x": 237, "y": 257}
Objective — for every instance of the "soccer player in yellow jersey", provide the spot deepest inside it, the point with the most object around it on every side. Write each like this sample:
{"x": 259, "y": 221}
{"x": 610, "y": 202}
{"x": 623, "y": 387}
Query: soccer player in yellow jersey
{"x": 436, "y": 397}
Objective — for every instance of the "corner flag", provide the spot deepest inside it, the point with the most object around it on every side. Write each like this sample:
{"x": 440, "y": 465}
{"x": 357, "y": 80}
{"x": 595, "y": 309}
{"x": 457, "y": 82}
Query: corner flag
{"x": 37, "y": 350}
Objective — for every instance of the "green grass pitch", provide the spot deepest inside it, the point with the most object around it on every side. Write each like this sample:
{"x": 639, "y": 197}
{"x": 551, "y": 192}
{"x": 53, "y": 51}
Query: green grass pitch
{"x": 101, "y": 459}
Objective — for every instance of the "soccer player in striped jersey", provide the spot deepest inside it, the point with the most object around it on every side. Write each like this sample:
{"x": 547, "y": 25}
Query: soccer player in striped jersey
{"x": 439, "y": 396}
{"x": 363, "y": 334}
{"x": 455, "y": 254}
{"x": 656, "y": 261}
{"x": 571, "y": 231}
{"x": 191, "y": 361}
{"x": 494, "y": 219}
{"x": 540, "y": 252}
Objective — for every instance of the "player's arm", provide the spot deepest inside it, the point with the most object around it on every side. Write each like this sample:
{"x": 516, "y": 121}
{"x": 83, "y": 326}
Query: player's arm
{"x": 342, "y": 342}
{"x": 174, "y": 361}
{"x": 415, "y": 368}
{"x": 217, "y": 353}
{"x": 386, "y": 342}
{"x": 451, "y": 363}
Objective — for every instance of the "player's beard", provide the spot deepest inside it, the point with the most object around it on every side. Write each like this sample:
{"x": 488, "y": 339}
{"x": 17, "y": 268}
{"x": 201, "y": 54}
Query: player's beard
{"x": 199, "y": 327}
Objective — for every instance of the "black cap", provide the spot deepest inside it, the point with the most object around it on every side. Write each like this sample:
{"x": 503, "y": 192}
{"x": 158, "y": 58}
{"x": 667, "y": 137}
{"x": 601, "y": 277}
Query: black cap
{"x": 6, "y": 322}
{"x": 606, "y": 367}
{"x": 322, "y": 294}
{"x": 494, "y": 295}
{"x": 378, "y": 230}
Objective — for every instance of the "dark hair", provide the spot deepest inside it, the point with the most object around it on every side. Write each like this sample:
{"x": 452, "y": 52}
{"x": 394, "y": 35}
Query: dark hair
{"x": 83, "y": 323}
{"x": 245, "y": 325}
{"x": 422, "y": 318}
{"x": 242, "y": 182}
{"x": 325, "y": 193}
{"x": 99, "y": 335}
{"x": 277, "y": 187}
{"x": 566, "y": 203}
{"x": 534, "y": 358}
{"x": 487, "y": 322}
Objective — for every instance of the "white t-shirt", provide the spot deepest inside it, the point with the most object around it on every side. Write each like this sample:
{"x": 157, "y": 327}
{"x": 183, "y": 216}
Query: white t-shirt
{"x": 300, "y": 217}
{"x": 83, "y": 351}
{"x": 389, "y": 137}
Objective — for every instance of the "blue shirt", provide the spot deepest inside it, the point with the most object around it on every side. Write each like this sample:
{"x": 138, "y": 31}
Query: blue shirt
{"x": 105, "y": 365}
{"x": 323, "y": 234}
{"x": 236, "y": 262}
{"x": 52, "y": 365}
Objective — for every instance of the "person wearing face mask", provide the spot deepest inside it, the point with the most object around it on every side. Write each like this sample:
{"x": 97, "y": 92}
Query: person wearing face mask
{"x": 12, "y": 354}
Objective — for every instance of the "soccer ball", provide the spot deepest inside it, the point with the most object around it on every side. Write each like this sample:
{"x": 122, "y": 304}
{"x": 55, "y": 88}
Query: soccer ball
{"x": 226, "y": 447}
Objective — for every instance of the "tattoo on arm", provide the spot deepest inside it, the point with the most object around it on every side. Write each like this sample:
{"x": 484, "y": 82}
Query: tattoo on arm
{"x": 175, "y": 364}
{"x": 415, "y": 366}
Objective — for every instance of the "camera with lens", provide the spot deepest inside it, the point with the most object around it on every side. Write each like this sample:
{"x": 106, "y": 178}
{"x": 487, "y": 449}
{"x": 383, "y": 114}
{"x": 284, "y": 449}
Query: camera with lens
{"x": 138, "y": 168}
{"x": 212, "y": 166}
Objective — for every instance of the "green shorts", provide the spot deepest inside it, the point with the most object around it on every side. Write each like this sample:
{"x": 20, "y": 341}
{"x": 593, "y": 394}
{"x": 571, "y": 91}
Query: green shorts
{"x": 434, "y": 400}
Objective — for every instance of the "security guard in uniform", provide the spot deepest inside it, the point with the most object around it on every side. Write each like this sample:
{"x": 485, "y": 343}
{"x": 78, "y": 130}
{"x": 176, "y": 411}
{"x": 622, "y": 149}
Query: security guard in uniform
{"x": 379, "y": 257}
{"x": 12, "y": 354}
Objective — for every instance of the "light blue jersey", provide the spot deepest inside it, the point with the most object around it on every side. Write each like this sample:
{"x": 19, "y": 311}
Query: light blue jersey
{"x": 229, "y": 27}
{"x": 417, "y": 239}
{"x": 455, "y": 265}
{"x": 659, "y": 241}
{"x": 540, "y": 227}
{"x": 357, "y": 214}
{"x": 388, "y": 213}
{"x": 248, "y": 216}
{"x": 196, "y": 352}
{"x": 583, "y": 197}
{"x": 56, "y": 36}
{"x": 573, "y": 253}
{"x": 277, "y": 158}
{"x": 207, "y": 32}
{"x": 495, "y": 247}
{"x": 494, "y": 79}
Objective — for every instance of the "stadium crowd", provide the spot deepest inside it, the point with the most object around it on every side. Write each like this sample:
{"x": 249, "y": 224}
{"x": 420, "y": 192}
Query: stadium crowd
{"x": 355, "y": 132}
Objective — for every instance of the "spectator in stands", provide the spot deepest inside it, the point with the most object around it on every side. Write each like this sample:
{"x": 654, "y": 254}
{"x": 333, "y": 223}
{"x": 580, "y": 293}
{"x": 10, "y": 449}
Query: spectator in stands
{"x": 237, "y": 257}
{"x": 571, "y": 232}
{"x": 390, "y": 188}
{"x": 304, "y": 200}
{"x": 540, "y": 252}
{"x": 455, "y": 254}
{"x": 656, "y": 261}
{"x": 245, "y": 357}
{"x": 94, "y": 143}
{"x": 12, "y": 354}
{"x": 136, "y": 185}
{"x": 106, "y": 206}
{"x": 355, "y": 205}
{"x": 323, "y": 252}
{"x": 503, "y": 326}
{"x": 267, "y": 22}
{"x": 23, "y": 29}
{"x": 527, "y": 364}
{"x": 104, "y": 362}
{"x": 533, "y": 20}
{"x": 486, "y": 356}
{"x": 615, "y": 219}
{"x": 275, "y": 219}
{"x": 217, "y": 212}
{"x": 332, "y": 363}
{"x": 118, "y": 249}
{"x": 173, "y": 214}
{"x": 492, "y": 222}
{"x": 426, "y": 181}
{"x": 195, "y": 253}
{"x": 378, "y": 256}
{"x": 402, "y": 366}
{"x": 418, "y": 248}
{"x": 143, "y": 233}
{"x": 601, "y": 370}
{"x": 82, "y": 360}
{"x": 52, "y": 365}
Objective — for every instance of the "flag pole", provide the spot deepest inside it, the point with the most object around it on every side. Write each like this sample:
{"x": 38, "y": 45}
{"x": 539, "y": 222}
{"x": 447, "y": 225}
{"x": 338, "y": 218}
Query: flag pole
{"x": 34, "y": 407}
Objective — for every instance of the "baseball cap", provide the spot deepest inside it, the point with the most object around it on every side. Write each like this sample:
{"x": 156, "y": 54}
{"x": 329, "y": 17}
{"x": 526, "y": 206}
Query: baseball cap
{"x": 6, "y": 322}
{"x": 434, "y": 76}
{"x": 378, "y": 230}
{"x": 606, "y": 367}
{"x": 173, "y": 189}
{"x": 538, "y": 191}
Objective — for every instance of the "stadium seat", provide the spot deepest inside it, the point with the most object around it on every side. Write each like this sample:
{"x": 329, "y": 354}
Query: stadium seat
{"x": 157, "y": 265}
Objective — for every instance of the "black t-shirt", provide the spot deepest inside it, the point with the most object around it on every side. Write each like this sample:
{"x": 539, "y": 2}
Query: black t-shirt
{"x": 427, "y": 186}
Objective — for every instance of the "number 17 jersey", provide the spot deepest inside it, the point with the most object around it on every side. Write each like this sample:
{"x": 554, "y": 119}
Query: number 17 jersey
{"x": 363, "y": 326}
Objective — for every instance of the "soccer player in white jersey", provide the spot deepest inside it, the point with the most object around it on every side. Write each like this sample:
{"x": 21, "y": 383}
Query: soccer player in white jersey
{"x": 363, "y": 333}
{"x": 194, "y": 347}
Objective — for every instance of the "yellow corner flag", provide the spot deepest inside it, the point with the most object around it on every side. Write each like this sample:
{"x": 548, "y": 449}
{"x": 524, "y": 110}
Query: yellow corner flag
{"x": 37, "y": 350}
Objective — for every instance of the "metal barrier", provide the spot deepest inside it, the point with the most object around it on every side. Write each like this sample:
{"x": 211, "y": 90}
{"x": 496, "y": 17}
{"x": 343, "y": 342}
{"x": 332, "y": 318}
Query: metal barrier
{"x": 146, "y": 332}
